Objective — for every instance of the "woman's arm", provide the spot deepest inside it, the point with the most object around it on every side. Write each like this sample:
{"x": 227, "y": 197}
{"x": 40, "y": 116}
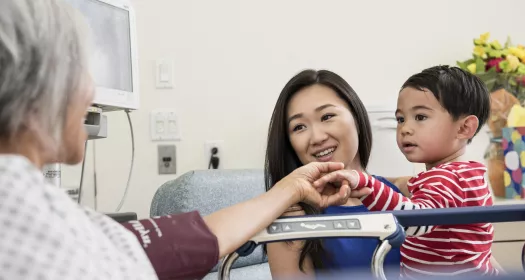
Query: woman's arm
{"x": 186, "y": 246}
{"x": 236, "y": 224}
{"x": 283, "y": 257}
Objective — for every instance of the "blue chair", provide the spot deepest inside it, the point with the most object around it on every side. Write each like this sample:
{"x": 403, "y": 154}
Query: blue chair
{"x": 208, "y": 191}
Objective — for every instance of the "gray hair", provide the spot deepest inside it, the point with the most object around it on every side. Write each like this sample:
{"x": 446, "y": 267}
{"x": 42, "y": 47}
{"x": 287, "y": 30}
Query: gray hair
{"x": 42, "y": 67}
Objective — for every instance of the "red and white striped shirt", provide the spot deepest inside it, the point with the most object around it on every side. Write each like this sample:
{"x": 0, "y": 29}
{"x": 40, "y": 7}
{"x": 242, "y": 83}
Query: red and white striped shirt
{"x": 440, "y": 250}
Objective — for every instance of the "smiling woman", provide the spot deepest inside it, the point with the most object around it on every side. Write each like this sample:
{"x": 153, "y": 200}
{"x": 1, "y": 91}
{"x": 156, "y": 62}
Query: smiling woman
{"x": 319, "y": 118}
{"x": 327, "y": 132}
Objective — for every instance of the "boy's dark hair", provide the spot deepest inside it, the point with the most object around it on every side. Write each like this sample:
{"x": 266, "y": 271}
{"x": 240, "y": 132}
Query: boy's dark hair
{"x": 459, "y": 92}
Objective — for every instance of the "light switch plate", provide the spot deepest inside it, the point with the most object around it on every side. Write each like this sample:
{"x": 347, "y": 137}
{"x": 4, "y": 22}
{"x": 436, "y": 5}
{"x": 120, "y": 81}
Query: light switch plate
{"x": 167, "y": 160}
{"x": 164, "y": 74}
{"x": 164, "y": 125}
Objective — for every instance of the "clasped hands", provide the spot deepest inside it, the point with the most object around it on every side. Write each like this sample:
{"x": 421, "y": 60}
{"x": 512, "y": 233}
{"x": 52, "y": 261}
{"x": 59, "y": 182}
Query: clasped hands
{"x": 323, "y": 184}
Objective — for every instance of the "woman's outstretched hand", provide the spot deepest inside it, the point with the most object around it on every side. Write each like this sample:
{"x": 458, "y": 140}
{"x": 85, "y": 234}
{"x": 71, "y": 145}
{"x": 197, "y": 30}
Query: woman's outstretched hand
{"x": 345, "y": 179}
{"x": 302, "y": 180}
{"x": 234, "y": 225}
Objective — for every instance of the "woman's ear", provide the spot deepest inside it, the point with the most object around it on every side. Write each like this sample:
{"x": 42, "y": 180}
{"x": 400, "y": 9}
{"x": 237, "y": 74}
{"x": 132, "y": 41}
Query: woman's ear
{"x": 468, "y": 127}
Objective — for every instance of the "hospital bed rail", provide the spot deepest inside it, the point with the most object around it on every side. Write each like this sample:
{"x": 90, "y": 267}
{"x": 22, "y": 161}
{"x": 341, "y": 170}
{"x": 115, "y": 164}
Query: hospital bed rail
{"x": 387, "y": 227}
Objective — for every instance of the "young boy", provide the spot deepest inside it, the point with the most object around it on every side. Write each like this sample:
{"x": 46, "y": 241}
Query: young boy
{"x": 438, "y": 111}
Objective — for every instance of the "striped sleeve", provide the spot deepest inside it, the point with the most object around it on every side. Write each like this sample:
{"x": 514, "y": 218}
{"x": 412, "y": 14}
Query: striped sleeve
{"x": 436, "y": 188}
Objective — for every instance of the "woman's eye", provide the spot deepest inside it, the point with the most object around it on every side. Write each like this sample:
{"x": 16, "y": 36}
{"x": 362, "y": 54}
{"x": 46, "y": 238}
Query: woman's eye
{"x": 327, "y": 117}
{"x": 420, "y": 118}
{"x": 298, "y": 127}
{"x": 400, "y": 120}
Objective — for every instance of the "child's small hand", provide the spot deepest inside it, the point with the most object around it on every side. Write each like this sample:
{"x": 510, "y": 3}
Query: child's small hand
{"x": 343, "y": 178}
{"x": 338, "y": 178}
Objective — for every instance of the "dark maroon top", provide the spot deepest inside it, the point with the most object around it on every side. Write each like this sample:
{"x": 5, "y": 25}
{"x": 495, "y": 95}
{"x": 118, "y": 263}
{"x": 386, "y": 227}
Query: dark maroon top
{"x": 179, "y": 246}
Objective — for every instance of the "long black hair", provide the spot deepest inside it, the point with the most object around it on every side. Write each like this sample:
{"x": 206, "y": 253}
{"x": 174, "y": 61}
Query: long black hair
{"x": 281, "y": 158}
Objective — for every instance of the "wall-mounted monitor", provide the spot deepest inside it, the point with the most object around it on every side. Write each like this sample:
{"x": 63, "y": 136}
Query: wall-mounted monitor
{"x": 113, "y": 52}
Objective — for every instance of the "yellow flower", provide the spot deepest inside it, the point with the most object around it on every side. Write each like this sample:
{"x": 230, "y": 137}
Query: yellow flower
{"x": 521, "y": 47}
{"x": 483, "y": 38}
{"x": 516, "y": 51}
{"x": 472, "y": 68}
{"x": 513, "y": 62}
{"x": 479, "y": 51}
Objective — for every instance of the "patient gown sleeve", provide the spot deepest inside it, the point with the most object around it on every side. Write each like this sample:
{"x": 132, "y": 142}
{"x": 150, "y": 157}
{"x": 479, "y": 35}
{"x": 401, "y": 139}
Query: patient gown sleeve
{"x": 179, "y": 246}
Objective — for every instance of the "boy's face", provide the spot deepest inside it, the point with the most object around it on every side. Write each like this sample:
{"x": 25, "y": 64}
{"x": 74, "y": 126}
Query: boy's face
{"x": 426, "y": 132}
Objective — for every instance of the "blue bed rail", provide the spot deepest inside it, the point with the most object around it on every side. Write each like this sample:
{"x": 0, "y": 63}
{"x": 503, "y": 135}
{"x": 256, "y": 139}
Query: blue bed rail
{"x": 402, "y": 219}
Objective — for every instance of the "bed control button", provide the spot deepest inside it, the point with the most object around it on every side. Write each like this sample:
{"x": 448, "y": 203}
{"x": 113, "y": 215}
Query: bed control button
{"x": 274, "y": 228}
{"x": 353, "y": 224}
{"x": 339, "y": 225}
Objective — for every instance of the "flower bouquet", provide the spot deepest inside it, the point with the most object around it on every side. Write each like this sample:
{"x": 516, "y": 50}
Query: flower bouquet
{"x": 502, "y": 69}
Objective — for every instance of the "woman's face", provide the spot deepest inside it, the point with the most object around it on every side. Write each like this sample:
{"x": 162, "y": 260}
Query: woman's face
{"x": 74, "y": 135}
{"x": 322, "y": 128}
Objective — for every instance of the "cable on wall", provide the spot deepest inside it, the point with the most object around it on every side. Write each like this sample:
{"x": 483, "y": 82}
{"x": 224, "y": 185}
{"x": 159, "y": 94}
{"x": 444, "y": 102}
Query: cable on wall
{"x": 132, "y": 161}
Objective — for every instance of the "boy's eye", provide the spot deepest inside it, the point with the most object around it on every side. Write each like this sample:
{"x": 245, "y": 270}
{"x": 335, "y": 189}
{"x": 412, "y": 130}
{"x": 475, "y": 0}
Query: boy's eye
{"x": 420, "y": 118}
{"x": 400, "y": 120}
{"x": 298, "y": 127}
{"x": 327, "y": 117}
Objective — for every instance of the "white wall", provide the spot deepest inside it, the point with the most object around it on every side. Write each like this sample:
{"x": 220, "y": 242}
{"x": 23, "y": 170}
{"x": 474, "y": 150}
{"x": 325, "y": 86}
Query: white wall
{"x": 232, "y": 58}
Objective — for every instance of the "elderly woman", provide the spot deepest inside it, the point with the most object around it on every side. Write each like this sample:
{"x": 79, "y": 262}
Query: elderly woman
{"x": 45, "y": 91}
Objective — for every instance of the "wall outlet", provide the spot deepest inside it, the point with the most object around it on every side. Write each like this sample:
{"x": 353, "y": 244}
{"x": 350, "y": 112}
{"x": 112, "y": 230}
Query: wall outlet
{"x": 208, "y": 146}
{"x": 167, "y": 159}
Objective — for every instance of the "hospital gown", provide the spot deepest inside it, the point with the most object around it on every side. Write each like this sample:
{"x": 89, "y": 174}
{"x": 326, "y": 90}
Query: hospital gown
{"x": 44, "y": 234}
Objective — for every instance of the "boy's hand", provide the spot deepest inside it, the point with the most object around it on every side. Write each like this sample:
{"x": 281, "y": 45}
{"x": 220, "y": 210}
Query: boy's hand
{"x": 302, "y": 178}
{"x": 343, "y": 178}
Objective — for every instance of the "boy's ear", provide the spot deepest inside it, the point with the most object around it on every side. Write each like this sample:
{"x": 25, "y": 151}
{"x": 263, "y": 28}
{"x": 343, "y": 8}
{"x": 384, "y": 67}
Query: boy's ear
{"x": 467, "y": 127}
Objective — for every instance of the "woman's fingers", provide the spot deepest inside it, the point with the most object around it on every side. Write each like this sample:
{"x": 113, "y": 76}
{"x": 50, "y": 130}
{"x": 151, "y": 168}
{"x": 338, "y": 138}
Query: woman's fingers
{"x": 325, "y": 179}
{"x": 327, "y": 167}
{"x": 344, "y": 190}
{"x": 338, "y": 198}
{"x": 360, "y": 192}
{"x": 336, "y": 176}
{"x": 341, "y": 196}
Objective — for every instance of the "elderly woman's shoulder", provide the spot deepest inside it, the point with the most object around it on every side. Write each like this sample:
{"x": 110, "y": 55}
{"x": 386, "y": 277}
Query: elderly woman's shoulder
{"x": 29, "y": 219}
{"x": 24, "y": 193}
{"x": 17, "y": 176}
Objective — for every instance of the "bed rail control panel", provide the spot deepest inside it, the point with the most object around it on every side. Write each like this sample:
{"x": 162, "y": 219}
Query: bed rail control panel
{"x": 314, "y": 226}
{"x": 387, "y": 227}
{"x": 381, "y": 226}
